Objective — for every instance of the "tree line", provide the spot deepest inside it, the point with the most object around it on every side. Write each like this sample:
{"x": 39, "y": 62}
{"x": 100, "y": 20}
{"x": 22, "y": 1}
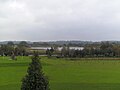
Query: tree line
{"x": 104, "y": 49}
{"x": 10, "y": 49}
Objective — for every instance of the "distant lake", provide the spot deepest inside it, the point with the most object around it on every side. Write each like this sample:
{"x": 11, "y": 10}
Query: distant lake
{"x": 40, "y": 48}
{"x": 59, "y": 48}
{"x": 77, "y": 48}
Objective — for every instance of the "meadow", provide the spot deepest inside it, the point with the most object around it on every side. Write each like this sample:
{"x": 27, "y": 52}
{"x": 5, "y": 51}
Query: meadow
{"x": 64, "y": 74}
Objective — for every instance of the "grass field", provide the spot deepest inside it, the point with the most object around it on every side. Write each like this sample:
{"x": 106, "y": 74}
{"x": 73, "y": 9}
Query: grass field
{"x": 64, "y": 74}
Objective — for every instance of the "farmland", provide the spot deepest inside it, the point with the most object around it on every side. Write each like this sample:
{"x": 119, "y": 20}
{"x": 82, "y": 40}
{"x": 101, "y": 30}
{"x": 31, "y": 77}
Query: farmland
{"x": 64, "y": 74}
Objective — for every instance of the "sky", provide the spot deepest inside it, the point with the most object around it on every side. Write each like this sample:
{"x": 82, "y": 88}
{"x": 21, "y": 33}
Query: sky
{"x": 43, "y": 20}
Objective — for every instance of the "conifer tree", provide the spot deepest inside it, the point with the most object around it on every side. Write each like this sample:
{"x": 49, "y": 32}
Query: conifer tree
{"x": 35, "y": 78}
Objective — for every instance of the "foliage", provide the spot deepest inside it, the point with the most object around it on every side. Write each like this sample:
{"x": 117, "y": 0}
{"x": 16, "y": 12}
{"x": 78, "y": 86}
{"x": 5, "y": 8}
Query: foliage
{"x": 49, "y": 52}
{"x": 35, "y": 79}
{"x": 104, "y": 49}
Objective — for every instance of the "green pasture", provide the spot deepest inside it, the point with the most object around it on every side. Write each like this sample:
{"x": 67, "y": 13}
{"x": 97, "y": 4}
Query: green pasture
{"x": 64, "y": 74}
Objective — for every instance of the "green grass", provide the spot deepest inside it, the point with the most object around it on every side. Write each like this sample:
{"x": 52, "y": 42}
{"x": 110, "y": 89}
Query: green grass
{"x": 64, "y": 74}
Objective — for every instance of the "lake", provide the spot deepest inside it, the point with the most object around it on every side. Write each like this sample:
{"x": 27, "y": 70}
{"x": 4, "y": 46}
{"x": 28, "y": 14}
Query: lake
{"x": 59, "y": 48}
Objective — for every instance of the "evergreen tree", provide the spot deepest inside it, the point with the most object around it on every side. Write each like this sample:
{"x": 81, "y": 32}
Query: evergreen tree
{"x": 35, "y": 79}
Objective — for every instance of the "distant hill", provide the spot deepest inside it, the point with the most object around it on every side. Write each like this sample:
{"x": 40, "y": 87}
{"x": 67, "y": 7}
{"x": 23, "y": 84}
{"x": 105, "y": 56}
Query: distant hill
{"x": 60, "y": 43}
{"x": 15, "y": 42}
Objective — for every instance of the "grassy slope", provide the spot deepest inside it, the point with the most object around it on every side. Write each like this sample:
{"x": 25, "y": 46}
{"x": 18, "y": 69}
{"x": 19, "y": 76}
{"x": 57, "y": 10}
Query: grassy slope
{"x": 64, "y": 74}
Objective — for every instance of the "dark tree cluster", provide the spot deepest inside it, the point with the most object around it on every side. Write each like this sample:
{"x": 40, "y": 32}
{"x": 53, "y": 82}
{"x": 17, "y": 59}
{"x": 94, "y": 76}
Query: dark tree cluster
{"x": 49, "y": 52}
{"x": 103, "y": 50}
{"x": 10, "y": 49}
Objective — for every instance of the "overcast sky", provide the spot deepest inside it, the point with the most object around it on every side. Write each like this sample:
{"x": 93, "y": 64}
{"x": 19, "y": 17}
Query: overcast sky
{"x": 38, "y": 20}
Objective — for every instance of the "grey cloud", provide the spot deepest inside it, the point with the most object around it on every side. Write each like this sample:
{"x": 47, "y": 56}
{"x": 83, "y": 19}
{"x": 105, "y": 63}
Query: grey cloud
{"x": 59, "y": 19}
